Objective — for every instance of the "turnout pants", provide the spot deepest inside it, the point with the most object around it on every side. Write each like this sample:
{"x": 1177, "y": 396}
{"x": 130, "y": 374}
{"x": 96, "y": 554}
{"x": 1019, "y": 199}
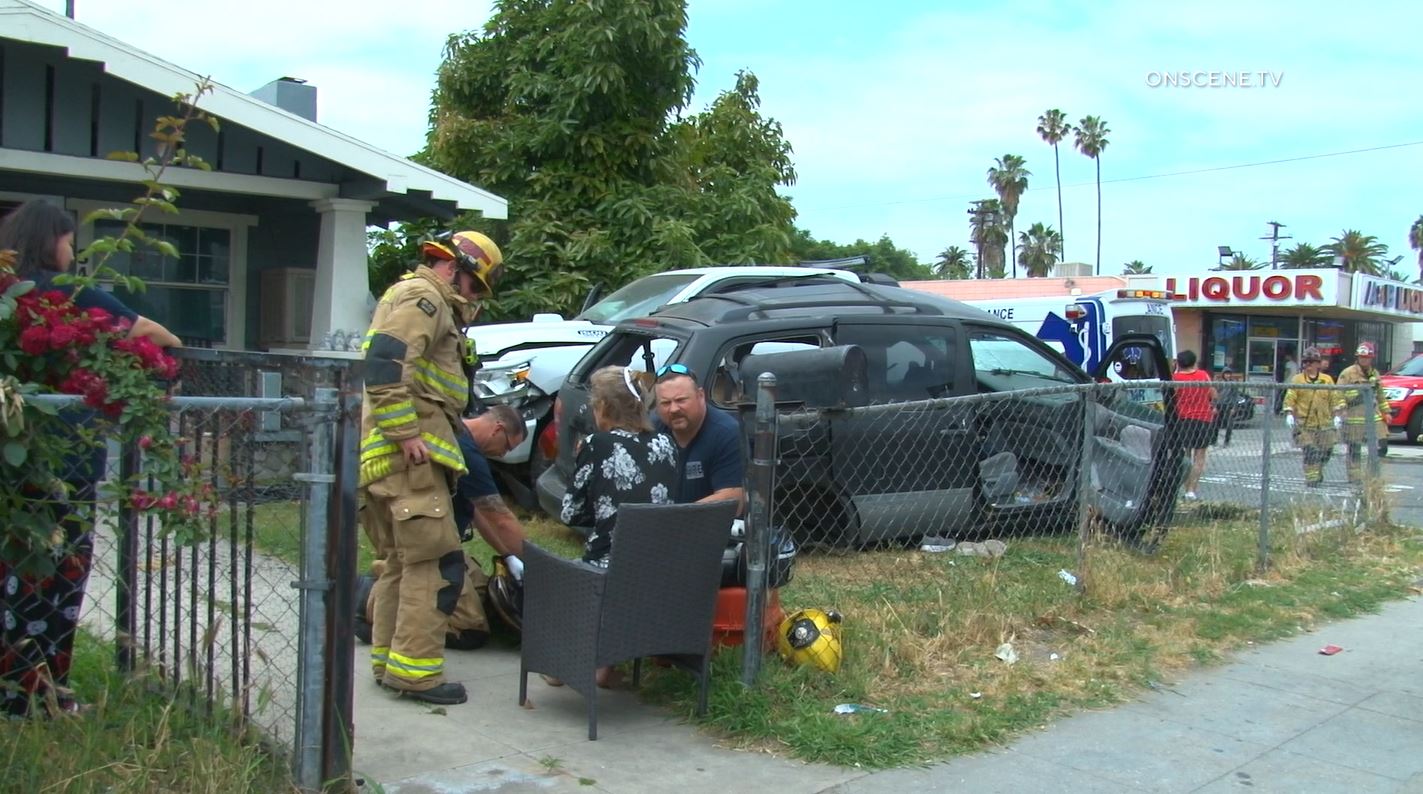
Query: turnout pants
{"x": 1356, "y": 435}
{"x": 1317, "y": 446}
{"x": 409, "y": 521}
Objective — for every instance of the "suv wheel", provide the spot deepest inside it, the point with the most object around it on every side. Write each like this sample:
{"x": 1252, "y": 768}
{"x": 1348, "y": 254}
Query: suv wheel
{"x": 1415, "y": 425}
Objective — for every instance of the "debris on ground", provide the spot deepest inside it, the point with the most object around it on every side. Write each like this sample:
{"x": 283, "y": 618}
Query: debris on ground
{"x": 1330, "y": 650}
{"x": 937, "y": 544}
{"x": 988, "y": 548}
{"x": 859, "y": 708}
{"x": 1006, "y": 653}
{"x": 1052, "y": 657}
{"x": 975, "y": 695}
{"x": 1067, "y": 576}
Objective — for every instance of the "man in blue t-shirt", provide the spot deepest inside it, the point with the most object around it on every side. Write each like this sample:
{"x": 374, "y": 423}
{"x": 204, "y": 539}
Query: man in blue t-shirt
{"x": 712, "y": 460}
{"x": 477, "y": 506}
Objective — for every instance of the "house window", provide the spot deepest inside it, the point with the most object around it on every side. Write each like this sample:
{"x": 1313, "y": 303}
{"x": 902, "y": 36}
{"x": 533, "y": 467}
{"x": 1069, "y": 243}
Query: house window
{"x": 187, "y": 293}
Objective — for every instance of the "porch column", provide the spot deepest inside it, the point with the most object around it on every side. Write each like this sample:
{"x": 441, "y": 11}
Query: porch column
{"x": 340, "y": 299}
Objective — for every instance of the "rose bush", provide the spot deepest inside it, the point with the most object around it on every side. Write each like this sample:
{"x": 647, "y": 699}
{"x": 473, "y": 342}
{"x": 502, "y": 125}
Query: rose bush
{"x": 49, "y": 345}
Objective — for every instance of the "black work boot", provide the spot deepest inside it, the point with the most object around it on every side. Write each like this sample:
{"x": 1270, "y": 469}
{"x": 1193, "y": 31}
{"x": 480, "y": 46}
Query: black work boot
{"x": 449, "y": 693}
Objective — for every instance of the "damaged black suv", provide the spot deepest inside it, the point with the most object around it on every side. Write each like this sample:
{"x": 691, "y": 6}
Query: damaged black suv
{"x": 884, "y": 457}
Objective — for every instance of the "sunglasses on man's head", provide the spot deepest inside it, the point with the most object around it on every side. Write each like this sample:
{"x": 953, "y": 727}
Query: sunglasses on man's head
{"x": 674, "y": 370}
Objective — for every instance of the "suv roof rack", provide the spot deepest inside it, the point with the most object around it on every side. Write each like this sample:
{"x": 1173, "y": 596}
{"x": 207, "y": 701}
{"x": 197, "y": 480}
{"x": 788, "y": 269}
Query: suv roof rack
{"x": 748, "y": 307}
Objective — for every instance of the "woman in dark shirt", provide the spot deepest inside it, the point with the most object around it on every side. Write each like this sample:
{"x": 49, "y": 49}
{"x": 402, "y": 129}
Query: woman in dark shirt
{"x": 38, "y": 618}
{"x": 625, "y": 462}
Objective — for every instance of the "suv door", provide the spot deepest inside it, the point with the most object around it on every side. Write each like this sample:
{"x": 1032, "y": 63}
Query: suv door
{"x": 906, "y": 460}
{"x": 1027, "y": 446}
{"x": 1137, "y": 467}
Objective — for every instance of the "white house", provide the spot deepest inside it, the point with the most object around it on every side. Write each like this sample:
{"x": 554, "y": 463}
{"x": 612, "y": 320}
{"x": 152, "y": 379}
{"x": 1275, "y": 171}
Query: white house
{"x": 272, "y": 240}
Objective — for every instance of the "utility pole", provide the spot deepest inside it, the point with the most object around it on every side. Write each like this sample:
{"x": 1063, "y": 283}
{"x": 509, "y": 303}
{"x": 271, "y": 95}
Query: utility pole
{"x": 1275, "y": 238}
{"x": 69, "y": 8}
{"x": 978, "y": 229}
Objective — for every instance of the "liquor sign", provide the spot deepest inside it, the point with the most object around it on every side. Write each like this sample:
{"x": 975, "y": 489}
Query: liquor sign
{"x": 1372, "y": 294}
{"x": 1272, "y": 288}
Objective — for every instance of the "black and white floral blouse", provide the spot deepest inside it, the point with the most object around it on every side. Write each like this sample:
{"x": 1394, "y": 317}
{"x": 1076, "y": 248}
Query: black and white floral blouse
{"x": 617, "y": 467}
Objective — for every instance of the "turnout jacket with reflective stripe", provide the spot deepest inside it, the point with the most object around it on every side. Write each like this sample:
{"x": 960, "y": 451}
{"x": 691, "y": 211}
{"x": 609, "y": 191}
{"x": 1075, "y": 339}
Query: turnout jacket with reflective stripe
{"x": 1354, "y": 375}
{"x": 415, "y": 383}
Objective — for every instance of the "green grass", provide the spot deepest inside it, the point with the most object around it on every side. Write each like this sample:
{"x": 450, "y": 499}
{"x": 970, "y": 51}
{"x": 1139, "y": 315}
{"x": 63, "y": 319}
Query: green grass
{"x": 133, "y": 740}
{"x": 921, "y": 629}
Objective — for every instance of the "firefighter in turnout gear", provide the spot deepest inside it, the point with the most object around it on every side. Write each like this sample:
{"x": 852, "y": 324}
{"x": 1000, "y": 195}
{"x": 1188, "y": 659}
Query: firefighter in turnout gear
{"x": 416, "y": 389}
{"x": 1357, "y": 409}
{"x": 1313, "y": 416}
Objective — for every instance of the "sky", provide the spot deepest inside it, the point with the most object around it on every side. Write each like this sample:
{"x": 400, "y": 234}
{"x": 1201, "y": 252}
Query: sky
{"x": 896, "y": 110}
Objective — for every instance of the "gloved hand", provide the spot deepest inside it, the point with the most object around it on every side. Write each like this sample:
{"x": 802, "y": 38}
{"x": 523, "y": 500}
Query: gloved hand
{"x": 1290, "y": 420}
{"x": 516, "y": 568}
{"x": 1338, "y": 423}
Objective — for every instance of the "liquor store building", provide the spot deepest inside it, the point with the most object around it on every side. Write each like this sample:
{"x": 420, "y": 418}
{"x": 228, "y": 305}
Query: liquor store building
{"x": 1256, "y": 322}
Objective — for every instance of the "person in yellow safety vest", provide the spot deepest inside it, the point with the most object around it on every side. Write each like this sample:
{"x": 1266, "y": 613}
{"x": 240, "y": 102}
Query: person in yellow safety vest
{"x": 1313, "y": 416}
{"x": 416, "y": 389}
{"x": 1356, "y": 430}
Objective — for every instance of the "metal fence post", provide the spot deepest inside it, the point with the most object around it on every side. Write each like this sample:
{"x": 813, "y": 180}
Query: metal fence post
{"x": 126, "y": 580}
{"x": 314, "y": 582}
{"x": 1084, "y": 487}
{"x": 758, "y": 527}
{"x": 342, "y": 542}
{"x": 1262, "y": 555}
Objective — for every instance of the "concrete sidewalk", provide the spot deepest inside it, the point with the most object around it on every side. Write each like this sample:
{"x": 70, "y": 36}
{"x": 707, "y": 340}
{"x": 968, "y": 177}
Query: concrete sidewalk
{"x": 1279, "y": 718}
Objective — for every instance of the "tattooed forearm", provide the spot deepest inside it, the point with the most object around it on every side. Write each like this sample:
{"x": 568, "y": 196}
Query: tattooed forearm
{"x": 493, "y": 503}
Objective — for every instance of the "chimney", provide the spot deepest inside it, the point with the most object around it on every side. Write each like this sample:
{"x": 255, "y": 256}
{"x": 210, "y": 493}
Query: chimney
{"x": 291, "y": 94}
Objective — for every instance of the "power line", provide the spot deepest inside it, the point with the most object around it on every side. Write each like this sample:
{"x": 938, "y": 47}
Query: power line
{"x": 1145, "y": 177}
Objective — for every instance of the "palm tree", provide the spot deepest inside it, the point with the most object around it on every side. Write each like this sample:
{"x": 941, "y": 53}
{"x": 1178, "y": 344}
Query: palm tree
{"x": 1091, "y": 134}
{"x": 1240, "y": 262}
{"x": 1415, "y": 241}
{"x": 953, "y": 263}
{"x": 1304, "y": 255}
{"x": 1136, "y": 268}
{"x": 987, "y": 233}
{"x": 1009, "y": 179}
{"x": 1040, "y": 248}
{"x": 1361, "y": 253}
{"x": 1053, "y": 127}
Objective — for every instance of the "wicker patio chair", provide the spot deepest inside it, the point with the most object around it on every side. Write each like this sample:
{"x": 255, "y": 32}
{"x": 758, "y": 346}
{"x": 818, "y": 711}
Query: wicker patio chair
{"x": 656, "y": 598}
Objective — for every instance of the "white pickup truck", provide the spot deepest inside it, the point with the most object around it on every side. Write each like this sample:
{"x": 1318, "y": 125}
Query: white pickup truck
{"x": 524, "y": 364}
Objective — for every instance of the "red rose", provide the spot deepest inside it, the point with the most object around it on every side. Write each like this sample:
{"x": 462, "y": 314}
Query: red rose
{"x": 34, "y": 340}
{"x": 55, "y": 298}
{"x": 62, "y": 336}
{"x": 142, "y": 500}
{"x": 168, "y": 501}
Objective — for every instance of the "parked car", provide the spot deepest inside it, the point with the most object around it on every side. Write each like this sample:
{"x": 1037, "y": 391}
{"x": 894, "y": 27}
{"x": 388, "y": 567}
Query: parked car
{"x": 1404, "y": 389}
{"x": 904, "y": 465}
{"x": 524, "y": 364}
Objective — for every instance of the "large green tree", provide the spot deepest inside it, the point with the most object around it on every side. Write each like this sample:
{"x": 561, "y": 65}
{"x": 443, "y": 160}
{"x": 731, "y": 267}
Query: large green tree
{"x": 1053, "y": 127}
{"x": 953, "y": 263}
{"x": 1304, "y": 255}
{"x": 1091, "y": 139}
{"x": 574, "y": 111}
{"x": 1361, "y": 253}
{"x": 1009, "y": 178}
{"x": 1039, "y": 249}
{"x": 881, "y": 256}
{"x": 987, "y": 232}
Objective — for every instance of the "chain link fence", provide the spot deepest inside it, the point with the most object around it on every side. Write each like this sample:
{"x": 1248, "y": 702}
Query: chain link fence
{"x": 242, "y": 622}
{"x": 1073, "y": 477}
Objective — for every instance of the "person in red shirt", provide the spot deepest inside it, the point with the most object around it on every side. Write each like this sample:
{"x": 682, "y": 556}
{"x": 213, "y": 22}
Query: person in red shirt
{"x": 1195, "y": 410}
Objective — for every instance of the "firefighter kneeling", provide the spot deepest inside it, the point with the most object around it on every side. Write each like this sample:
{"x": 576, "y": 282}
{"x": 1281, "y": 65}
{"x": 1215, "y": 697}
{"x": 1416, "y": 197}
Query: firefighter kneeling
{"x": 416, "y": 390}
